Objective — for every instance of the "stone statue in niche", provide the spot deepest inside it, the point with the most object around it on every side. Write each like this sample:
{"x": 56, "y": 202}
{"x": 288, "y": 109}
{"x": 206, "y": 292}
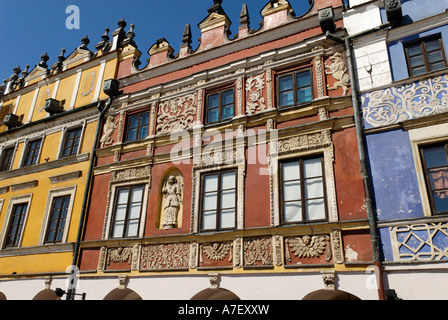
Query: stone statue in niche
{"x": 338, "y": 71}
{"x": 108, "y": 129}
{"x": 172, "y": 191}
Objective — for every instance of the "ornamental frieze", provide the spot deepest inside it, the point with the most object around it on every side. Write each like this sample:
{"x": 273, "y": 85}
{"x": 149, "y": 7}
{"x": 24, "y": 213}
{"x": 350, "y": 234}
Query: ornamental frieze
{"x": 176, "y": 114}
{"x": 308, "y": 249}
{"x": 131, "y": 174}
{"x": 258, "y": 252}
{"x": 217, "y": 254}
{"x": 410, "y": 101}
{"x": 255, "y": 102}
{"x": 165, "y": 257}
{"x": 303, "y": 142}
{"x": 421, "y": 242}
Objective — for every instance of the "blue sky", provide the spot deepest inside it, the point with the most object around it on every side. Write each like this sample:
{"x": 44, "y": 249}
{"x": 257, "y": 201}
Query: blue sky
{"x": 33, "y": 27}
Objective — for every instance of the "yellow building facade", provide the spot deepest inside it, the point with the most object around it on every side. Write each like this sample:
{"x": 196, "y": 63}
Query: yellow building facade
{"x": 48, "y": 120}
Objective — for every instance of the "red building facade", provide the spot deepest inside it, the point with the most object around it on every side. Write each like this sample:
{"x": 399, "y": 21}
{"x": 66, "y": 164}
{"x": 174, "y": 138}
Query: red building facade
{"x": 231, "y": 170}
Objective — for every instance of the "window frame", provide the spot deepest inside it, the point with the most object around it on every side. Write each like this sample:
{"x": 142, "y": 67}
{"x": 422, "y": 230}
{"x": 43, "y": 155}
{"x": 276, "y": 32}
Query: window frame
{"x": 429, "y": 189}
{"x": 424, "y": 51}
{"x": 58, "y": 221}
{"x": 138, "y": 128}
{"x": 302, "y": 190}
{"x": 218, "y": 203}
{"x": 219, "y": 91}
{"x": 27, "y": 150}
{"x": 6, "y": 163}
{"x": 8, "y": 219}
{"x": 55, "y": 193}
{"x": 294, "y": 73}
{"x": 65, "y": 140}
{"x": 114, "y": 210}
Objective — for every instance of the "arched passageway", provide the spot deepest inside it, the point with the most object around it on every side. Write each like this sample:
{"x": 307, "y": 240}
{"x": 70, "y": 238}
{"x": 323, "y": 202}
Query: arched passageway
{"x": 330, "y": 295}
{"x": 122, "y": 294}
{"x": 215, "y": 294}
{"x": 46, "y": 294}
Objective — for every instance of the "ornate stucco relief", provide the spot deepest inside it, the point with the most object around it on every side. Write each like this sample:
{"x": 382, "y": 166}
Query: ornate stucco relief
{"x": 255, "y": 101}
{"x": 410, "y": 101}
{"x": 176, "y": 114}
{"x": 421, "y": 242}
{"x": 165, "y": 257}
{"x": 308, "y": 247}
{"x": 338, "y": 70}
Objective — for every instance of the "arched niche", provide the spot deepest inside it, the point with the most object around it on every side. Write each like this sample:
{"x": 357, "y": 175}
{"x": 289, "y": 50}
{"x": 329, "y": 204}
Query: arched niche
{"x": 215, "y": 294}
{"x": 170, "y": 201}
{"x": 122, "y": 294}
{"x": 330, "y": 295}
{"x": 46, "y": 294}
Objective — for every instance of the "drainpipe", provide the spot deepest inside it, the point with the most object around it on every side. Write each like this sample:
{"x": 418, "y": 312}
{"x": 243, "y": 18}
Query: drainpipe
{"x": 374, "y": 238}
{"x": 103, "y": 111}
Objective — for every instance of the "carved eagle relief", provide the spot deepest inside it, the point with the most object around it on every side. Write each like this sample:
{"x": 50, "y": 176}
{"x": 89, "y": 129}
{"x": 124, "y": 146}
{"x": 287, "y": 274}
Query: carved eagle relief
{"x": 309, "y": 247}
{"x": 217, "y": 251}
{"x": 119, "y": 255}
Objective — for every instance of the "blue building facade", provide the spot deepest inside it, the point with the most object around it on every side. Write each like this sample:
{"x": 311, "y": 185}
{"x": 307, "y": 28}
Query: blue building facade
{"x": 405, "y": 115}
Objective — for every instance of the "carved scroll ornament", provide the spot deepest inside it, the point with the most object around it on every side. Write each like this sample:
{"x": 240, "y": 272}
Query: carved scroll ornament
{"x": 176, "y": 114}
{"x": 393, "y": 105}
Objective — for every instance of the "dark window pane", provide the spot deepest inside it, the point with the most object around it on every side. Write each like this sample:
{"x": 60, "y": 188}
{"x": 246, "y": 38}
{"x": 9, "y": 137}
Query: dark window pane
{"x": 286, "y": 83}
{"x": 213, "y": 115}
{"x": 414, "y": 50}
{"x": 303, "y": 79}
{"x": 432, "y": 45}
{"x": 435, "y": 157}
{"x": 213, "y": 101}
{"x": 304, "y": 95}
{"x": 286, "y": 99}
{"x": 227, "y": 97}
{"x": 227, "y": 112}
{"x": 441, "y": 201}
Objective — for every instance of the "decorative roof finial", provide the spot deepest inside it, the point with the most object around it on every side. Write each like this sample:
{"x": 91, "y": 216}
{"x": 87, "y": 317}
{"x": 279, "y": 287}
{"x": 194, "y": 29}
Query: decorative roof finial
{"x": 131, "y": 33}
{"x": 61, "y": 56}
{"x": 105, "y": 36}
{"x": 84, "y": 42}
{"x": 186, "y": 36}
{"x": 43, "y": 60}
{"x": 216, "y": 7}
{"x": 244, "y": 16}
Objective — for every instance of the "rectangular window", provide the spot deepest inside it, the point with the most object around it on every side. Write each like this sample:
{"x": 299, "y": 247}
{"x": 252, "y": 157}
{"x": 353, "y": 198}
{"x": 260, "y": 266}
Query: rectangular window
{"x": 32, "y": 153}
{"x": 425, "y": 56}
{"x": 127, "y": 212}
{"x": 303, "y": 190}
{"x": 218, "y": 211}
{"x": 71, "y": 142}
{"x": 16, "y": 225}
{"x": 58, "y": 217}
{"x": 6, "y": 159}
{"x": 294, "y": 88}
{"x": 435, "y": 165}
{"x": 220, "y": 106}
{"x": 137, "y": 126}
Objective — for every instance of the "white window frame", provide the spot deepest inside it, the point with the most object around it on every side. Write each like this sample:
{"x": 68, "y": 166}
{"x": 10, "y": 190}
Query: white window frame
{"x": 71, "y": 191}
{"x": 422, "y": 136}
{"x": 328, "y": 154}
{"x": 13, "y": 201}
{"x": 111, "y": 205}
{"x": 64, "y": 132}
